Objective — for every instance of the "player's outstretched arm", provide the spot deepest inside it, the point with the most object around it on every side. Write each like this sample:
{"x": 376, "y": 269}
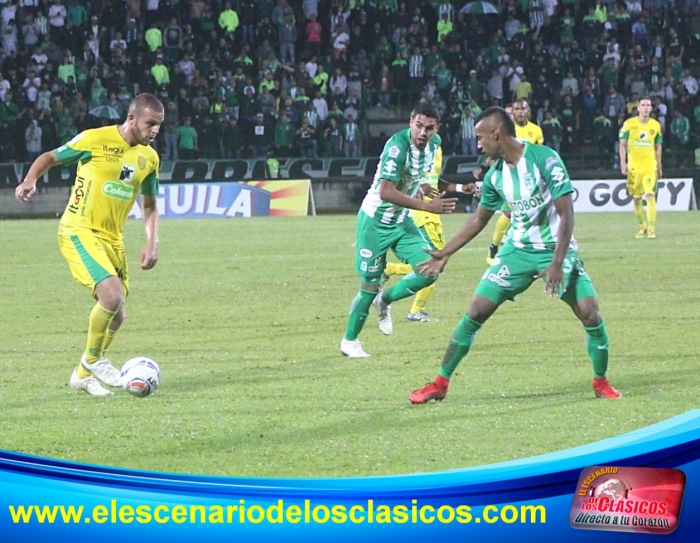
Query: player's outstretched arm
{"x": 438, "y": 259}
{"x": 388, "y": 192}
{"x": 43, "y": 163}
{"x": 149, "y": 254}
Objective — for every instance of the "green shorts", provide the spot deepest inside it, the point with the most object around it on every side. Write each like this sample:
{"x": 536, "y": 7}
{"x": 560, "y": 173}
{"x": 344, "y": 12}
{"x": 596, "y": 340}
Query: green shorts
{"x": 513, "y": 272}
{"x": 374, "y": 240}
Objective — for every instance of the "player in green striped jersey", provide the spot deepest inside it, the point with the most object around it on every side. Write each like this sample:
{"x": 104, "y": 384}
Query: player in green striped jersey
{"x": 533, "y": 180}
{"x": 384, "y": 223}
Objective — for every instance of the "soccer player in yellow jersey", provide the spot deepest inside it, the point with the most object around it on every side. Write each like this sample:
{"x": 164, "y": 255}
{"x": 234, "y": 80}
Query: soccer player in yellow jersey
{"x": 115, "y": 164}
{"x": 525, "y": 130}
{"x": 430, "y": 226}
{"x": 641, "y": 141}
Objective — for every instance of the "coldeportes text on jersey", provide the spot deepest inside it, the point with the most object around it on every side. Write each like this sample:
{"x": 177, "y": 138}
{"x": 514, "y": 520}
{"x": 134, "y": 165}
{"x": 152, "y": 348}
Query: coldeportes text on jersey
{"x": 307, "y": 512}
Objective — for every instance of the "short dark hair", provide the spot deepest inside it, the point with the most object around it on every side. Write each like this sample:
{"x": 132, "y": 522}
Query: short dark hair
{"x": 501, "y": 115}
{"x": 426, "y": 108}
{"x": 146, "y": 101}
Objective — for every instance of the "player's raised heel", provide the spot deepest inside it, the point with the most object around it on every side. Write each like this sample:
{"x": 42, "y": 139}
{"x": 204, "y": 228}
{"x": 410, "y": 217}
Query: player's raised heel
{"x": 90, "y": 385}
{"x": 420, "y": 316}
{"x": 104, "y": 371}
{"x": 603, "y": 389}
{"x": 431, "y": 391}
{"x": 384, "y": 310}
{"x": 352, "y": 348}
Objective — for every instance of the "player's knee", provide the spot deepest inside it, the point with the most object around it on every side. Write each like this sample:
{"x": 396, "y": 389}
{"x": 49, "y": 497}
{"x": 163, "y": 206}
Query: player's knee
{"x": 588, "y": 312}
{"x": 110, "y": 294}
{"x": 370, "y": 284}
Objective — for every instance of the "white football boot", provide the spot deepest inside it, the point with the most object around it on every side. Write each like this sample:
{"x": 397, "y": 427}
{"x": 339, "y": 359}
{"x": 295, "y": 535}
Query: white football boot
{"x": 384, "y": 310}
{"x": 104, "y": 371}
{"x": 90, "y": 385}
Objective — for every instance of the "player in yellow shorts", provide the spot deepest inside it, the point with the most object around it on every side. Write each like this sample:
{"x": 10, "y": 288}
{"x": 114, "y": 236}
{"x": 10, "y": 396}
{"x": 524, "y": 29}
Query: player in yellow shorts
{"x": 115, "y": 164}
{"x": 430, "y": 225}
{"x": 641, "y": 141}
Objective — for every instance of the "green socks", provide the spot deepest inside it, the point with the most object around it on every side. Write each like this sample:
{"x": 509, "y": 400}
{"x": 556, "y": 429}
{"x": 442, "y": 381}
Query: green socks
{"x": 359, "y": 309}
{"x": 460, "y": 343}
{"x": 597, "y": 345}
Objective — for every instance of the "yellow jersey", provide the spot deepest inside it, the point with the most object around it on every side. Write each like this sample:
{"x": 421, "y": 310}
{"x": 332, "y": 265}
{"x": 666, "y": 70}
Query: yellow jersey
{"x": 110, "y": 175}
{"x": 642, "y": 139}
{"x": 530, "y": 133}
{"x": 432, "y": 178}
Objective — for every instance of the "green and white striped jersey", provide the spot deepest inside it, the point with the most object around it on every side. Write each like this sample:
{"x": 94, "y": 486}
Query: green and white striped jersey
{"x": 406, "y": 165}
{"x": 530, "y": 189}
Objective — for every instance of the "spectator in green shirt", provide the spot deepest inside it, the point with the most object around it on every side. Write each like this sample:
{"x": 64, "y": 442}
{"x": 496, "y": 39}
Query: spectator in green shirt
{"x": 284, "y": 136}
{"x": 160, "y": 71}
{"x": 443, "y": 79}
{"x": 228, "y": 20}
{"x": 444, "y": 28}
{"x": 77, "y": 14}
{"x": 187, "y": 140}
{"x": 66, "y": 69}
{"x": 154, "y": 37}
{"x": 680, "y": 129}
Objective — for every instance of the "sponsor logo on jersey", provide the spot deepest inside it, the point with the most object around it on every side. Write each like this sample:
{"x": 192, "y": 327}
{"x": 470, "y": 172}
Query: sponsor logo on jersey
{"x": 365, "y": 253}
{"x": 127, "y": 173}
{"x": 78, "y": 194}
{"x": 523, "y": 206}
{"x": 393, "y": 151}
{"x": 113, "y": 150}
{"x": 117, "y": 191}
{"x": 551, "y": 161}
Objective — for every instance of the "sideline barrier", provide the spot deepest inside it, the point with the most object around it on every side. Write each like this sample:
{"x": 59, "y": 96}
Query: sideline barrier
{"x": 243, "y": 199}
{"x": 611, "y": 195}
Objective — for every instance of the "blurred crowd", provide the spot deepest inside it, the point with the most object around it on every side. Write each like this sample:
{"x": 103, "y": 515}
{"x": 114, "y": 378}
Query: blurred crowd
{"x": 250, "y": 78}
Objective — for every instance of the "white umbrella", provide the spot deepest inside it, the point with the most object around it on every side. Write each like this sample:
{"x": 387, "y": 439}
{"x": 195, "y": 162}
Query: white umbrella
{"x": 105, "y": 112}
{"x": 479, "y": 8}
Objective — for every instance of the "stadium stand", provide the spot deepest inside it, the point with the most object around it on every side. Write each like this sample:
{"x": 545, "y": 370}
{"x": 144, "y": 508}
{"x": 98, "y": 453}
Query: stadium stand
{"x": 242, "y": 78}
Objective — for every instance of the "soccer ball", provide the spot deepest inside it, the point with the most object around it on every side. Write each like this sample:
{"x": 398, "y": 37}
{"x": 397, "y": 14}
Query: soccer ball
{"x": 140, "y": 376}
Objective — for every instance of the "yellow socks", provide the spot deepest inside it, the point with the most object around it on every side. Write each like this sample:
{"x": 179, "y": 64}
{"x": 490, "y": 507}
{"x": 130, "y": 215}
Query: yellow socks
{"x": 501, "y": 226}
{"x": 394, "y": 268}
{"x": 100, "y": 319}
{"x": 651, "y": 212}
{"x": 639, "y": 211}
{"x": 99, "y": 337}
{"x": 109, "y": 336}
{"x": 421, "y": 298}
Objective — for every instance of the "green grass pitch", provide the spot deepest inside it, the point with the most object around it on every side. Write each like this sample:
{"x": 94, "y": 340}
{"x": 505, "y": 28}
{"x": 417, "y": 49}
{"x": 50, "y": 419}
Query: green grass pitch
{"x": 245, "y": 318}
